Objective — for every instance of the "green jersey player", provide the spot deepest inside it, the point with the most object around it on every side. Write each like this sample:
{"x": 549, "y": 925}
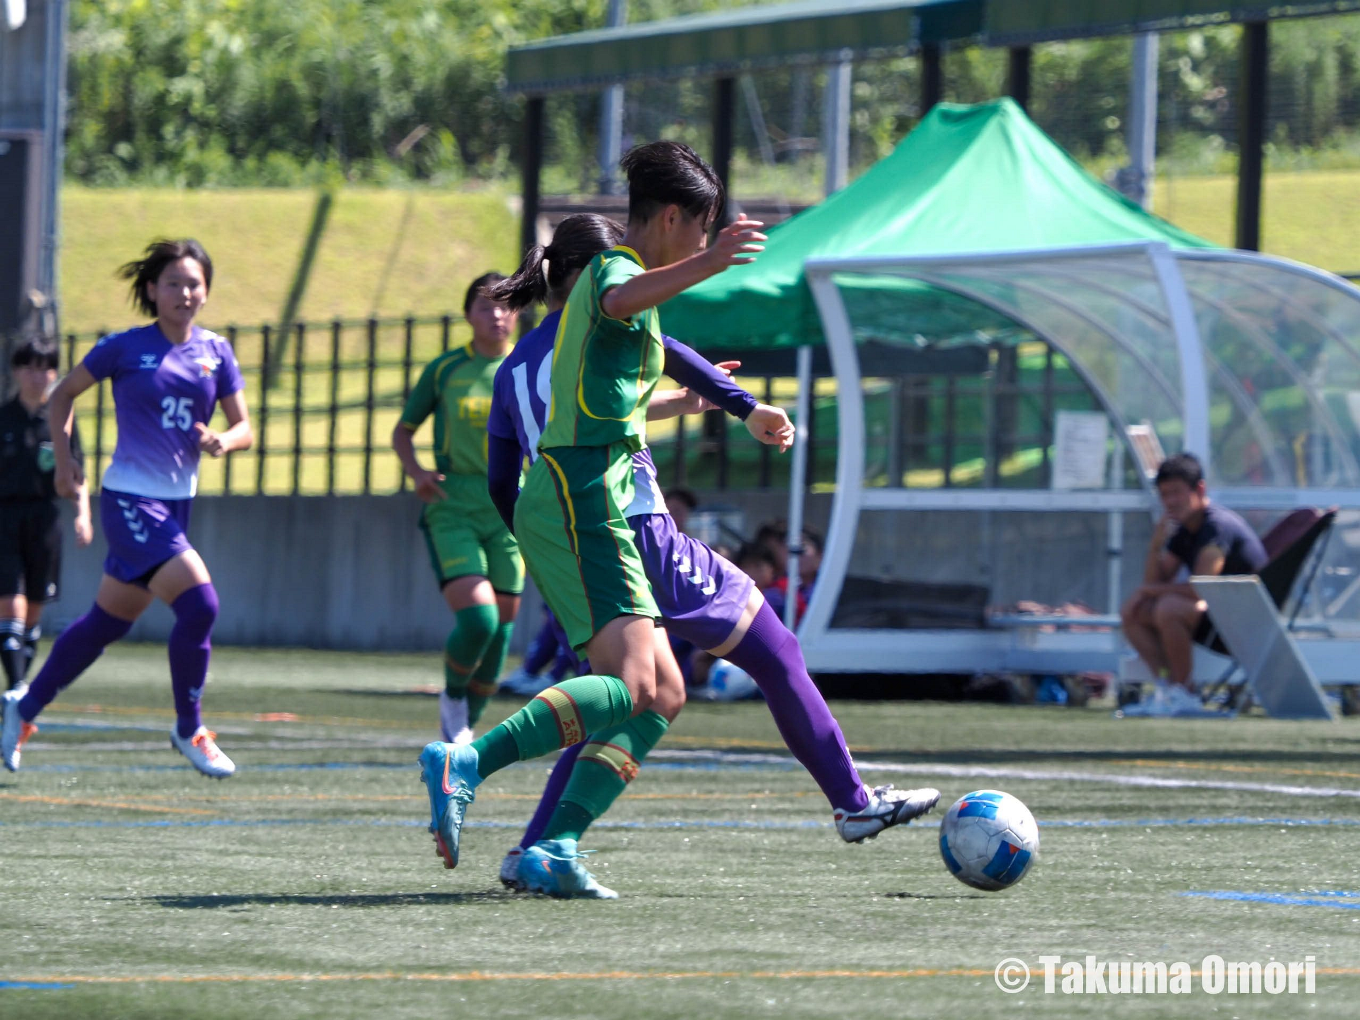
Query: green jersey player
{"x": 475, "y": 558}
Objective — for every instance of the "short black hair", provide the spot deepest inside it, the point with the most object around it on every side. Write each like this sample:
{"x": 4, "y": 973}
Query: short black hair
{"x": 777, "y": 530}
{"x": 477, "y": 286}
{"x": 1181, "y": 467}
{"x": 149, "y": 267}
{"x": 759, "y": 553}
{"x": 670, "y": 173}
{"x": 679, "y": 494}
{"x": 813, "y": 539}
{"x": 37, "y": 351}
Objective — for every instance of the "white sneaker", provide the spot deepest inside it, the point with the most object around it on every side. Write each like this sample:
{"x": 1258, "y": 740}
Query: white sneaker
{"x": 1183, "y": 702}
{"x": 14, "y": 731}
{"x": 203, "y": 753}
{"x": 510, "y": 870}
{"x": 1167, "y": 701}
{"x": 453, "y": 720}
{"x": 887, "y": 807}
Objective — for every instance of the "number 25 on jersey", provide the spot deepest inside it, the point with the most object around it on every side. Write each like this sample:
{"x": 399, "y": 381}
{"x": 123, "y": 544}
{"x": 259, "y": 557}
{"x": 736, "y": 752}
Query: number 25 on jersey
{"x": 177, "y": 413}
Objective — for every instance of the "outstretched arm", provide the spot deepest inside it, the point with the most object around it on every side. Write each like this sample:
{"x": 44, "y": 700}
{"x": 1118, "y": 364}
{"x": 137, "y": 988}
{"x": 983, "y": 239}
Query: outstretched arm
{"x": 695, "y": 372}
{"x": 735, "y": 246}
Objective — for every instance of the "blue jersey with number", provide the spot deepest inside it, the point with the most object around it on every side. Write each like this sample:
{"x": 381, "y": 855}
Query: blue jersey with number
{"x": 519, "y": 410}
{"x": 160, "y": 392}
{"x": 523, "y": 386}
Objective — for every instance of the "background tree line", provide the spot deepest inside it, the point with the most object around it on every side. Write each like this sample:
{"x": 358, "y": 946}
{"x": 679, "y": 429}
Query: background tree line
{"x": 249, "y": 92}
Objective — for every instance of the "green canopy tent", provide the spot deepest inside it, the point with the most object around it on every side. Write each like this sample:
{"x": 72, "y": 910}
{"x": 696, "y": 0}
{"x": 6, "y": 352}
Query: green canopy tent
{"x": 968, "y": 179}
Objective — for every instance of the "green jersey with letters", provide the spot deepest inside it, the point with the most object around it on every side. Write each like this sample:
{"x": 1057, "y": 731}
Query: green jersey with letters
{"x": 603, "y": 369}
{"x": 456, "y": 387}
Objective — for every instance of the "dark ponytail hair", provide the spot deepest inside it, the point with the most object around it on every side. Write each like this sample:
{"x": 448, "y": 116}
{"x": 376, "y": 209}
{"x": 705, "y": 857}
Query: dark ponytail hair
{"x": 160, "y": 254}
{"x": 577, "y": 240}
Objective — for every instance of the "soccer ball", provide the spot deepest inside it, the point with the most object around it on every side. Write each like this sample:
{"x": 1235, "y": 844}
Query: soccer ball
{"x": 727, "y": 682}
{"x": 989, "y": 840}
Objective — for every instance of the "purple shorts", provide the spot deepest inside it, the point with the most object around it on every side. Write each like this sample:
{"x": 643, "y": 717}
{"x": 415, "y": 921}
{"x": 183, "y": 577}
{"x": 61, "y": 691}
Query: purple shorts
{"x": 142, "y": 533}
{"x": 701, "y": 595}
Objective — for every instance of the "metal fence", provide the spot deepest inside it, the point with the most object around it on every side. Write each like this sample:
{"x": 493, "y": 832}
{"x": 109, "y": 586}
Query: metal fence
{"x": 324, "y": 398}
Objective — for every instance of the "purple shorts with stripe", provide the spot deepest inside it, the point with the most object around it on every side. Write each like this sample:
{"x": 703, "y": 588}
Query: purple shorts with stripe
{"x": 701, "y": 595}
{"x": 142, "y": 533}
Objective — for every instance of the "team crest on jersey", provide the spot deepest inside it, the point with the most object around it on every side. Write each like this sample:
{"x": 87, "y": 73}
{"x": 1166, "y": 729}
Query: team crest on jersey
{"x": 150, "y": 361}
{"x": 208, "y": 364}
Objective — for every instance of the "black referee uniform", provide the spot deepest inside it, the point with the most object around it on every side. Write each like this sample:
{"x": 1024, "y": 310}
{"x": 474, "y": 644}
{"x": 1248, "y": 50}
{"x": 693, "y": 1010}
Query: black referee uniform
{"x": 30, "y": 516}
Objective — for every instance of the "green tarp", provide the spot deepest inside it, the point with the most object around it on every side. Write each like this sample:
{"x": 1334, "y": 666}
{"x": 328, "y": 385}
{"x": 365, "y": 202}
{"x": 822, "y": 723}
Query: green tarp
{"x": 821, "y": 31}
{"x": 732, "y": 41}
{"x": 978, "y": 178}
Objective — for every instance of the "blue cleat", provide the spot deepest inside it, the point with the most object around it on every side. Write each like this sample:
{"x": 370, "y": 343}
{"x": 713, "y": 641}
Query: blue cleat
{"x": 449, "y": 772}
{"x": 553, "y": 867}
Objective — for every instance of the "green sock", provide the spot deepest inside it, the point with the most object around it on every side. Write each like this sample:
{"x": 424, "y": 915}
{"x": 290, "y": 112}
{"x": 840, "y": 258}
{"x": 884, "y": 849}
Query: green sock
{"x": 606, "y": 766}
{"x": 482, "y": 684}
{"x": 556, "y": 718}
{"x": 466, "y": 644}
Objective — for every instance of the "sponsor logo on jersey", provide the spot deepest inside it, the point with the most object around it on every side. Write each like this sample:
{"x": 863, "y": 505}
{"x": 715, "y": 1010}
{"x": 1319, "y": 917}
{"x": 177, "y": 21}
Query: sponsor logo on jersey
{"x": 150, "y": 361}
{"x": 208, "y": 364}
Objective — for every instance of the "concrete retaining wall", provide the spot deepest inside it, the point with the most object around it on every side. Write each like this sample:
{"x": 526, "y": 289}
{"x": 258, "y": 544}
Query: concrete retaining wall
{"x": 352, "y": 572}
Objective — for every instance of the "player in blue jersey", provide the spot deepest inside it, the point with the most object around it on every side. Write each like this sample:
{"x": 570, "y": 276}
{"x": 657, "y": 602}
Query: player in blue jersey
{"x": 168, "y": 378}
{"x": 702, "y": 597}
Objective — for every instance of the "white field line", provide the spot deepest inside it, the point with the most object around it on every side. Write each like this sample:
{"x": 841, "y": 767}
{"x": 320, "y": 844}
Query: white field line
{"x": 1006, "y": 772}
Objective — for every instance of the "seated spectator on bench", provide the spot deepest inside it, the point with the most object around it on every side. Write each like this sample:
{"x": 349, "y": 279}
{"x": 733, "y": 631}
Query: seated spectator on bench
{"x": 1163, "y": 618}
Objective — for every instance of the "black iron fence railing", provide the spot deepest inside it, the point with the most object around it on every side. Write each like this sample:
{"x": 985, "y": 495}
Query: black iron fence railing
{"x": 324, "y": 398}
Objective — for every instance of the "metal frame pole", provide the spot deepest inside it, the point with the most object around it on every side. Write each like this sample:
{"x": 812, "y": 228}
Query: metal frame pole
{"x": 1018, "y": 75}
{"x": 798, "y": 481}
{"x": 611, "y": 115}
{"x": 1251, "y": 146}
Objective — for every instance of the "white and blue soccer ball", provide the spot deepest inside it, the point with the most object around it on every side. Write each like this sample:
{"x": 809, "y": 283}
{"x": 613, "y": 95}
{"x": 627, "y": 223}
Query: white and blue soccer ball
{"x": 989, "y": 840}
{"x": 727, "y": 682}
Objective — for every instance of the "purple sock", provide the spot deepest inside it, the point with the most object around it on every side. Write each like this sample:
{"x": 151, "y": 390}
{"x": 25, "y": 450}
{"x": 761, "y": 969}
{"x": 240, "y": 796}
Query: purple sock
{"x": 770, "y": 653}
{"x": 72, "y": 653}
{"x": 190, "y": 649}
{"x": 552, "y": 793}
{"x": 542, "y": 648}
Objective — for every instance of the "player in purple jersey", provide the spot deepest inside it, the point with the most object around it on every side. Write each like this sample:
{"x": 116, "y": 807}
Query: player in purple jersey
{"x": 702, "y": 597}
{"x": 168, "y": 379}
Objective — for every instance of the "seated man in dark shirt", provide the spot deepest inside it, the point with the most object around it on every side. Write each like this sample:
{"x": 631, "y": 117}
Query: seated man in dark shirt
{"x": 1162, "y": 619}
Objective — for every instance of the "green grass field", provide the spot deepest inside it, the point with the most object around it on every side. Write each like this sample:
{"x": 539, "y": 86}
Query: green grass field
{"x": 1310, "y": 217}
{"x": 385, "y": 252}
{"x": 390, "y": 252}
{"x": 306, "y": 886}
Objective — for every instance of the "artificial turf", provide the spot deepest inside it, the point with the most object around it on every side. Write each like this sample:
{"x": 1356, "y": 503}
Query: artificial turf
{"x": 307, "y": 886}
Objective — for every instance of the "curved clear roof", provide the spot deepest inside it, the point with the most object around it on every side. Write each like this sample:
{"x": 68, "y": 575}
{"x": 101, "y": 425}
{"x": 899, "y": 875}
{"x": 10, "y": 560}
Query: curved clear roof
{"x": 1250, "y": 362}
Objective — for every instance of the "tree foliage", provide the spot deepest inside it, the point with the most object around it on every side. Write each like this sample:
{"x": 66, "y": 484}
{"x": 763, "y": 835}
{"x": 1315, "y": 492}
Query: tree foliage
{"x": 204, "y": 92}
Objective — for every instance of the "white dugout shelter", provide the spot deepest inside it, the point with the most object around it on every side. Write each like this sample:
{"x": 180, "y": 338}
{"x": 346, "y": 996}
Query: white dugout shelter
{"x": 1249, "y": 361}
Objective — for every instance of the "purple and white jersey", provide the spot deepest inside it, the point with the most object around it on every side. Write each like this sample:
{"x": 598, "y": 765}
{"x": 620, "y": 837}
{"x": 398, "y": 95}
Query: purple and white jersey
{"x": 519, "y": 410}
{"x": 160, "y": 391}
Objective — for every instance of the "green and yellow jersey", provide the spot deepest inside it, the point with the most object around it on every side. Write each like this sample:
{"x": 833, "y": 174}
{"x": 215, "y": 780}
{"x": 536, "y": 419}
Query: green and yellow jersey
{"x": 464, "y": 533}
{"x": 604, "y": 370}
{"x": 456, "y": 387}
